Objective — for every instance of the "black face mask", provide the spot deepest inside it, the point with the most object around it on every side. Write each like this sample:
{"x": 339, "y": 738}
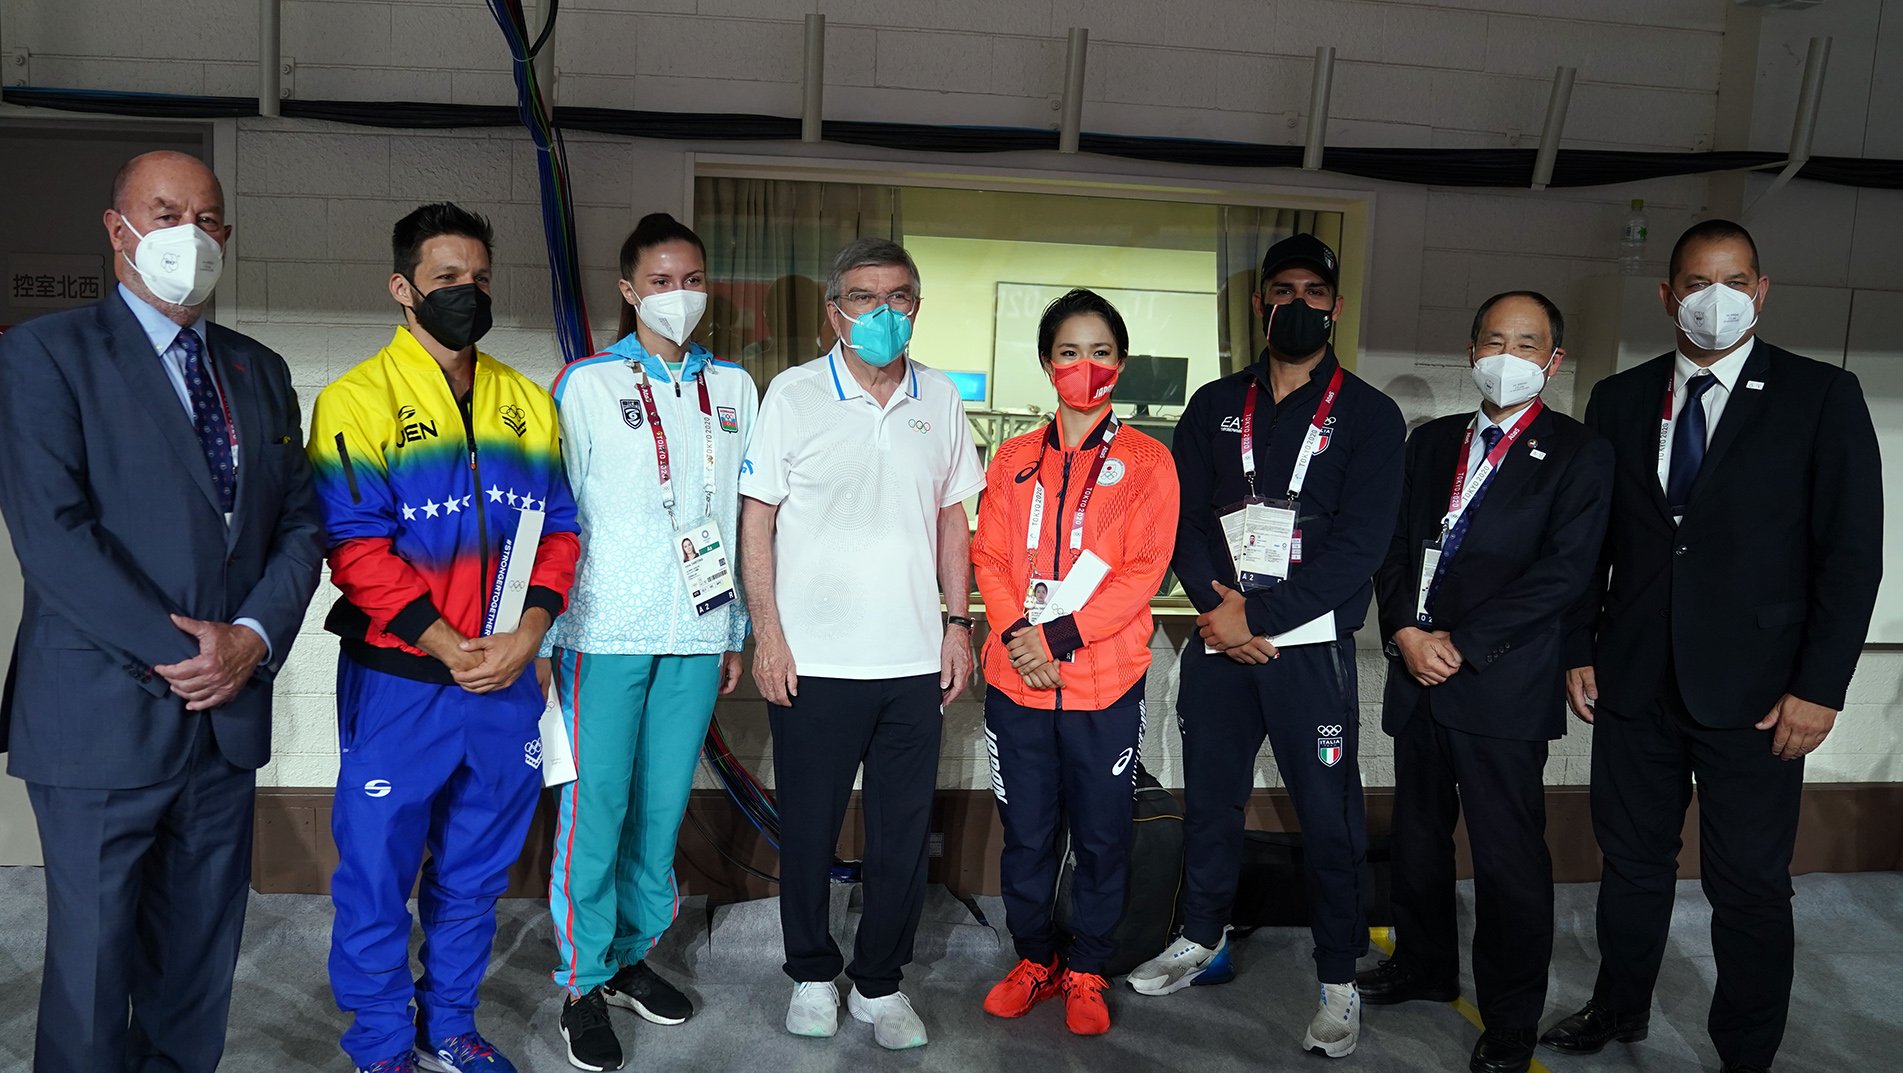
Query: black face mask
{"x": 1297, "y": 329}
{"x": 454, "y": 316}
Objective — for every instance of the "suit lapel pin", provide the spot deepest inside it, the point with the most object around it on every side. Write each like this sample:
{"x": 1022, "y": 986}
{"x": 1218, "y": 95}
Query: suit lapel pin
{"x": 1754, "y": 385}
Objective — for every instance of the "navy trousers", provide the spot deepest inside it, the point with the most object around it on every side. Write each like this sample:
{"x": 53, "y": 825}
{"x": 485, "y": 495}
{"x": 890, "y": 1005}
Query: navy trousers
{"x": 1439, "y": 774}
{"x": 145, "y": 902}
{"x": 1053, "y": 771}
{"x": 1305, "y": 705}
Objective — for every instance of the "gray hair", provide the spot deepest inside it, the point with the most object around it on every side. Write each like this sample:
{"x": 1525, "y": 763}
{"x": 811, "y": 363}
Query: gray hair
{"x": 867, "y": 253}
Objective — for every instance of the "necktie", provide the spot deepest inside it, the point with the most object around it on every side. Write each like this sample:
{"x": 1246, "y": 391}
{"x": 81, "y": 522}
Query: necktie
{"x": 1688, "y": 444}
{"x": 208, "y": 419}
{"x": 1490, "y": 437}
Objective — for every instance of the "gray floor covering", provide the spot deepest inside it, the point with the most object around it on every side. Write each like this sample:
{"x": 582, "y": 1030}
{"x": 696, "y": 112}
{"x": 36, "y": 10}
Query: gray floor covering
{"x": 1845, "y": 1013}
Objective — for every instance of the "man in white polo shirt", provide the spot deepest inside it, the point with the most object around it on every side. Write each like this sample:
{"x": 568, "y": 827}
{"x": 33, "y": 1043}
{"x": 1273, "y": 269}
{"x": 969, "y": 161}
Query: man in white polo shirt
{"x": 852, "y": 525}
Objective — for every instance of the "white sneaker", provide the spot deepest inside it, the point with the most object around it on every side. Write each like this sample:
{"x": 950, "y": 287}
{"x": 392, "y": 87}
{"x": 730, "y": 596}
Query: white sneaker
{"x": 894, "y": 1023}
{"x": 814, "y": 1010}
{"x": 1337, "y": 1024}
{"x": 1181, "y": 964}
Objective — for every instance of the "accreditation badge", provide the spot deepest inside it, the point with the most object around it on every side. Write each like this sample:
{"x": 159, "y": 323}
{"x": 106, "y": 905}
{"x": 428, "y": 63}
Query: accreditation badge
{"x": 1430, "y": 562}
{"x": 1037, "y": 599}
{"x": 1261, "y": 535}
{"x": 705, "y": 566}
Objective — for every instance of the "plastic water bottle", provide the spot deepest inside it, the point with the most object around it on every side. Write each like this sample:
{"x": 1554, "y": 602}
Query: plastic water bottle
{"x": 1632, "y": 240}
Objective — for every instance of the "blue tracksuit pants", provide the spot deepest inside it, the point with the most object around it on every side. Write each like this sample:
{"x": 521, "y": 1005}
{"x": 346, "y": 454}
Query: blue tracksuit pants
{"x": 1056, "y": 773}
{"x": 423, "y": 767}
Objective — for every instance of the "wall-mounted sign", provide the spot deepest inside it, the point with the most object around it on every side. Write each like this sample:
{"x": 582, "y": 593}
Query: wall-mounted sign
{"x": 55, "y": 280}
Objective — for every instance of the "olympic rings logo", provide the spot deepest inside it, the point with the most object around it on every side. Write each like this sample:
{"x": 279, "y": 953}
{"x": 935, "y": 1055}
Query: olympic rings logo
{"x": 1328, "y": 732}
{"x": 919, "y": 426}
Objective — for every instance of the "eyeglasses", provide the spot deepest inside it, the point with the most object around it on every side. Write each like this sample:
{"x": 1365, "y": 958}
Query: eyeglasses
{"x": 904, "y": 300}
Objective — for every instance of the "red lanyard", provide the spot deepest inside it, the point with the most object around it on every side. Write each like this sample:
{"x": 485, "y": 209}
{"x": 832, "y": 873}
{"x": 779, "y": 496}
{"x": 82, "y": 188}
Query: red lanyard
{"x": 1033, "y": 532}
{"x": 1463, "y": 489}
{"x": 662, "y": 461}
{"x": 1311, "y": 440}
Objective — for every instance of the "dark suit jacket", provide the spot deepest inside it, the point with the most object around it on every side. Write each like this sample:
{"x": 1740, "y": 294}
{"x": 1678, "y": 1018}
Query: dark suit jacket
{"x": 1527, "y": 559}
{"x": 1768, "y": 584}
{"x": 116, "y": 524}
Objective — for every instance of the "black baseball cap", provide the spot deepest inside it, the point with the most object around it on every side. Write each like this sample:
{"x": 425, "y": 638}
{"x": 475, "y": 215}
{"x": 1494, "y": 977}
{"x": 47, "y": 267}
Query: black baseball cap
{"x": 1307, "y": 251}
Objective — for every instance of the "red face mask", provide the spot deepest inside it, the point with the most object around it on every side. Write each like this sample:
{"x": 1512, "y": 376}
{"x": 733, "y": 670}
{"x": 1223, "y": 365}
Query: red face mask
{"x": 1084, "y": 385}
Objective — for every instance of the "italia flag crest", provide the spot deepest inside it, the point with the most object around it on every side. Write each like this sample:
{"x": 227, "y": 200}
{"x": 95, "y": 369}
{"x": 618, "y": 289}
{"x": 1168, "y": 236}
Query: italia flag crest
{"x": 1328, "y": 745}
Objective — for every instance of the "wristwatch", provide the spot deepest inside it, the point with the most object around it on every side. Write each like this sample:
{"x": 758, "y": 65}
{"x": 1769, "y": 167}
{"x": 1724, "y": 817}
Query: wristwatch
{"x": 958, "y": 620}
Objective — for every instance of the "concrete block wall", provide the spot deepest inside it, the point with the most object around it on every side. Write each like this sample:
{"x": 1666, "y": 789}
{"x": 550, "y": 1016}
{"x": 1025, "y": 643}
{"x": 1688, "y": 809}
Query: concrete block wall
{"x": 314, "y": 202}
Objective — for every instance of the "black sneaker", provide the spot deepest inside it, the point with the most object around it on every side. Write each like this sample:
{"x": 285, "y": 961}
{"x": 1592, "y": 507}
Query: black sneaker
{"x": 591, "y": 1039}
{"x": 637, "y": 987}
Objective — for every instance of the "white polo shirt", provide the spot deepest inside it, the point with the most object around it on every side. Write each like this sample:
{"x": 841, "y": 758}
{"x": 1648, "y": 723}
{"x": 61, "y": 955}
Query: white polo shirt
{"x": 859, "y": 487}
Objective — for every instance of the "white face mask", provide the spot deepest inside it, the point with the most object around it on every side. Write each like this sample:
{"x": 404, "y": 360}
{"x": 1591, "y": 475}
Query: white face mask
{"x": 674, "y": 314}
{"x": 1717, "y": 316}
{"x": 179, "y": 264}
{"x": 1508, "y": 380}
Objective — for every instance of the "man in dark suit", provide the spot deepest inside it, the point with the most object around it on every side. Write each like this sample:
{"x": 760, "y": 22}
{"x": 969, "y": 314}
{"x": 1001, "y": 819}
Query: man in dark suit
{"x": 1501, "y": 522}
{"x": 1744, "y": 550}
{"x": 159, "y": 501}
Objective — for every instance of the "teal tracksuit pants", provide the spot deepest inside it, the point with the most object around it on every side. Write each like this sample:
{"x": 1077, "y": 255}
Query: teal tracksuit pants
{"x": 636, "y": 724}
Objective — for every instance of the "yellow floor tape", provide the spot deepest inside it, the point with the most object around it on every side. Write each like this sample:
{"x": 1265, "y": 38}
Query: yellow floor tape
{"x": 1385, "y": 940}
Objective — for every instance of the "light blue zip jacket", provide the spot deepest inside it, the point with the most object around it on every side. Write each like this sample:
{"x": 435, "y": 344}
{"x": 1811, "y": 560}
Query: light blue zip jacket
{"x": 628, "y": 597}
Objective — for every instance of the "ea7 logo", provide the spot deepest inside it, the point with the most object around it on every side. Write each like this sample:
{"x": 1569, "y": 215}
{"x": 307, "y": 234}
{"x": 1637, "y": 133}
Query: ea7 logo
{"x": 377, "y": 788}
{"x": 1233, "y": 424}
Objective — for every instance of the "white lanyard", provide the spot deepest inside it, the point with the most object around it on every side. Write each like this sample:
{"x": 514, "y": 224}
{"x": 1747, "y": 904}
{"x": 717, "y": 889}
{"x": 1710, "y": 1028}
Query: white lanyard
{"x": 1033, "y": 533}
{"x": 1311, "y": 441}
{"x": 661, "y": 460}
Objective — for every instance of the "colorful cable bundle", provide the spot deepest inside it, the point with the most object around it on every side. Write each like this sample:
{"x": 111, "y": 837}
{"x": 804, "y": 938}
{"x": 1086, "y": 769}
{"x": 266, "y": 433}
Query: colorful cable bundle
{"x": 558, "y": 207}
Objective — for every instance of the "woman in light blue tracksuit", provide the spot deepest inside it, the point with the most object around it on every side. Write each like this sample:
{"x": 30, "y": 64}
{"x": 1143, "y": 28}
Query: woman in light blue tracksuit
{"x": 639, "y": 656}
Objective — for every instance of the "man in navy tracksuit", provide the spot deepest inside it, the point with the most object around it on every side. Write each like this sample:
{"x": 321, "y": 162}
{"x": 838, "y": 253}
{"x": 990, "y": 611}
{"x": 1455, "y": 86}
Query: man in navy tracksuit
{"x": 1300, "y": 457}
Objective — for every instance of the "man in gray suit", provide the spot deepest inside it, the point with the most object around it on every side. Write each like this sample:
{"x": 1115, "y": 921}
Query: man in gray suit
{"x": 156, "y": 489}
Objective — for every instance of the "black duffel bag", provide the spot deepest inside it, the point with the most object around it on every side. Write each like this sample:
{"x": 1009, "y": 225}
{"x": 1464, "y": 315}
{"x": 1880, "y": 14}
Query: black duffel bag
{"x": 1271, "y": 891}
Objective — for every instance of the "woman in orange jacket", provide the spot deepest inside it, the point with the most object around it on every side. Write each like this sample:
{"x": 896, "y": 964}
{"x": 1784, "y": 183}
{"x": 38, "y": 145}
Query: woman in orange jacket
{"x": 1083, "y": 497}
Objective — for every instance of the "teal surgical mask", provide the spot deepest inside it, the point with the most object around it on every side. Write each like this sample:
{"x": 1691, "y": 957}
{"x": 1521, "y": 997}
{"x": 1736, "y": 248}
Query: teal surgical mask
{"x": 880, "y": 336}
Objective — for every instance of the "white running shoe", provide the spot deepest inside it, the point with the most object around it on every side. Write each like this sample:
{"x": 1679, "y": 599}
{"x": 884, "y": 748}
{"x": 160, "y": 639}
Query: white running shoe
{"x": 1182, "y": 964}
{"x": 1337, "y": 1024}
{"x": 894, "y": 1023}
{"x": 814, "y": 1010}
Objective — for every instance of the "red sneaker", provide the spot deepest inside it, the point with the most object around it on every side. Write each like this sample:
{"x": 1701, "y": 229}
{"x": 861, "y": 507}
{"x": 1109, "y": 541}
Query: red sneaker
{"x": 1022, "y": 988}
{"x": 1085, "y": 1012}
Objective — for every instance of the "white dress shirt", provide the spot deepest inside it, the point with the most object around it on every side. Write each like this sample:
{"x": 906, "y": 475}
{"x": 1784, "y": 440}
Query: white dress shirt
{"x": 1726, "y": 370}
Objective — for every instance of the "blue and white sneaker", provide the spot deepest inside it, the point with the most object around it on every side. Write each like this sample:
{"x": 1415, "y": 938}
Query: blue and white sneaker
{"x": 467, "y": 1053}
{"x": 402, "y": 1063}
{"x": 1336, "y": 1026}
{"x": 1184, "y": 963}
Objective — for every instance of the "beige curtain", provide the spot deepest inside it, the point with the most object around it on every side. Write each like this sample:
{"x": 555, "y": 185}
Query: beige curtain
{"x": 1243, "y": 236}
{"x": 769, "y": 245}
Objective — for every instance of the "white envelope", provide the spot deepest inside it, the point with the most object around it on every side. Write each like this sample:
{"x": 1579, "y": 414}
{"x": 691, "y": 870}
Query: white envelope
{"x": 558, "y": 758}
{"x": 1313, "y": 632}
{"x": 1077, "y": 587}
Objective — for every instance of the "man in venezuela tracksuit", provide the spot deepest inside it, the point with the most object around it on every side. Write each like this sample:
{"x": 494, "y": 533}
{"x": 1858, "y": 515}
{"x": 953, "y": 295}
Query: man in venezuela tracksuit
{"x": 429, "y": 457}
{"x": 1291, "y": 478}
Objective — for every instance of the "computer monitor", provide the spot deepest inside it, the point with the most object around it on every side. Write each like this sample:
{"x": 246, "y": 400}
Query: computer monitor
{"x": 971, "y": 386}
{"x": 1153, "y": 380}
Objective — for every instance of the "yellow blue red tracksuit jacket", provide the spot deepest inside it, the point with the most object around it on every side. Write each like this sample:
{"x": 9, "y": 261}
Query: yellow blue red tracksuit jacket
{"x": 419, "y": 505}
